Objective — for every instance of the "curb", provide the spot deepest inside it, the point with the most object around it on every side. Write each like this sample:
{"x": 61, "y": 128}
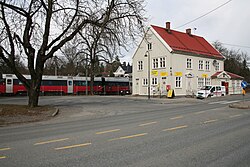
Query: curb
{"x": 55, "y": 113}
{"x": 239, "y": 106}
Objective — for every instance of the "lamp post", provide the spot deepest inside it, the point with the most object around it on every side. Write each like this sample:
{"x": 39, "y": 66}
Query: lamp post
{"x": 86, "y": 75}
{"x": 148, "y": 55}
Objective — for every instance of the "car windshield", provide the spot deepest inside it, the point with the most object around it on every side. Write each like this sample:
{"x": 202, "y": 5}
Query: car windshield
{"x": 206, "y": 88}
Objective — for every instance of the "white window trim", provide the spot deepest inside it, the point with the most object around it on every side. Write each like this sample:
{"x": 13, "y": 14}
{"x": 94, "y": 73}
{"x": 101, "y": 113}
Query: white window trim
{"x": 191, "y": 62}
{"x": 156, "y": 63}
{"x": 200, "y": 64}
{"x": 154, "y": 81}
{"x": 180, "y": 86}
{"x": 207, "y": 65}
{"x": 139, "y": 65}
{"x": 144, "y": 81}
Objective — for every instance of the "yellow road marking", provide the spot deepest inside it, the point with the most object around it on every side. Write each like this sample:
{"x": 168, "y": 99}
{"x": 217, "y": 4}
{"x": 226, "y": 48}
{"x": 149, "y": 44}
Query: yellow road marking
{"x": 4, "y": 149}
{"x": 233, "y": 116}
{"x": 51, "y": 141}
{"x": 108, "y": 131}
{"x": 200, "y": 112}
{"x": 178, "y": 117}
{"x": 210, "y": 121}
{"x": 73, "y": 146}
{"x": 128, "y": 137}
{"x": 149, "y": 123}
{"x": 176, "y": 128}
{"x": 2, "y": 157}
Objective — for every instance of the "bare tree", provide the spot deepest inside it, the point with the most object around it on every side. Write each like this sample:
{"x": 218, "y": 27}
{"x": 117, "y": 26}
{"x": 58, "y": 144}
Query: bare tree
{"x": 121, "y": 26}
{"x": 36, "y": 29}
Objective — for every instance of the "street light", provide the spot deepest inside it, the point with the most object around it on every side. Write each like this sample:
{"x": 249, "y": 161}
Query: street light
{"x": 148, "y": 55}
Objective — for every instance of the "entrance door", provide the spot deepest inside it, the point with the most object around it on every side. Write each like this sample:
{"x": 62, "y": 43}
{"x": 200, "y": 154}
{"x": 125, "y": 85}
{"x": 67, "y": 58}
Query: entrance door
{"x": 70, "y": 86}
{"x": 9, "y": 85}
{"x": 223, "y": 83}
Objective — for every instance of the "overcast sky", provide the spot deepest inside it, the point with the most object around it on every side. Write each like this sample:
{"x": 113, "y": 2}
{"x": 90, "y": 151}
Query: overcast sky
{"x": 229, "y": 24}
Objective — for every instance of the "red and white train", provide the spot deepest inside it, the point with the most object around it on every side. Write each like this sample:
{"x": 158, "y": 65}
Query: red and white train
{"x": 9, "y": 84}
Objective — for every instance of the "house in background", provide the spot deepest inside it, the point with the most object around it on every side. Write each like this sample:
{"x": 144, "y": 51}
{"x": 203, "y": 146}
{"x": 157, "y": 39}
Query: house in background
{"x": 124, "y": 70}
{"x": 168, "y": 59}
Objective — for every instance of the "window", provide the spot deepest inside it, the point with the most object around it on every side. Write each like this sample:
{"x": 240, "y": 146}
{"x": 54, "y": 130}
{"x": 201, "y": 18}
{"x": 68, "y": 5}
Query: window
{"x": 178, "y": 82}
{"x": 149, "y": 46}
{"x": 208, "y": 81}
{"x": 140, "y": 65}
{"x": 189, "y": 64}
{"x": 203, "y": 82}
{"x": 162, "y": 62}
{"x": 154, "y": 81}
{"x": 155, "y": 63}
{"x": 200, "y": 64}
{"x": 159, "y": 62}
{"x": 200, "y": 82}
{"x": 217, "y": 66}
{"x": 207, "y": 65}
{"x": 9, "y": 81}
{"x": 144, "y": 82}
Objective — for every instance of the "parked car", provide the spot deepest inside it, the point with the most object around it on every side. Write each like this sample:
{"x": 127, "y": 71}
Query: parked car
{"x": 211, "y": 91}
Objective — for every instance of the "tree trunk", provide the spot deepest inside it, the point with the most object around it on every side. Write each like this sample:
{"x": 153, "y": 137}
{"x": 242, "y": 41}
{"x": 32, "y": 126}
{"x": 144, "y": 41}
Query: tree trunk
{"x": 33, "y": 94}
{"x": 34, "y": 90}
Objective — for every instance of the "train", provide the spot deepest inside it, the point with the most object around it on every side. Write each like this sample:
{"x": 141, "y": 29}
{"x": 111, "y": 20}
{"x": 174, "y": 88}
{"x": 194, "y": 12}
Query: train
{"x": 66, "y": 85}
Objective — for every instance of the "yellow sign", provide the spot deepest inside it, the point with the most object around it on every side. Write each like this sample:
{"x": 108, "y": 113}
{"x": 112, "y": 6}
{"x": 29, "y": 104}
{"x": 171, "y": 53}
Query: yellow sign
{"x": 243, "y": 91}
{"x": 154, "y": 72}
{"x": 170, "y": 93}
{"x": 164, "y": 74}
{"x": 204, "y": 75}
{"x": 178, "y": 74}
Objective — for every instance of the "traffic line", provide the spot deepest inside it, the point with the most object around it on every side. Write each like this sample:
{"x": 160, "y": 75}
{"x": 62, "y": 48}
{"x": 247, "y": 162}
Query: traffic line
{"x": 200, "y": 112}
{"x": 217, "y": 102}
{"x": 3, "y": 157}
{"x": 210, "y": 121}
{"x": 107, "y": 131}
{"x": 233, "y": 116}
{"x": 175, "y": 128}
{"x": 73, "y": 146}
{"x": 51, "y": 141}
{"x": 228, "y": 102}
{"x": 149, "y": 123}
{"x": 4, "y": 149}
{"x": 178, "y": 117}
{"x": 128, "y": 137}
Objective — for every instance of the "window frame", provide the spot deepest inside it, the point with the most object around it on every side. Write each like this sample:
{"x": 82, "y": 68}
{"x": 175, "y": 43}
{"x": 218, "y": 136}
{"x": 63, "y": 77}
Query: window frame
{"x": 200, "y": 65}
{"x": 140, "y": 65}
{"x": 178, "y": 82}
{"x": 189, "y": 63}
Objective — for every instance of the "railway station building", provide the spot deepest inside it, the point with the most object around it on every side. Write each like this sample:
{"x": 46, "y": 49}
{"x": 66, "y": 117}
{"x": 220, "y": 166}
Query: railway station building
{"x": 168, "y": 59}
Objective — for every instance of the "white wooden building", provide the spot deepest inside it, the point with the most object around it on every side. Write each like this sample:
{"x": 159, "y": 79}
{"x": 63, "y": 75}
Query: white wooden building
{"x": 180, "y": 61}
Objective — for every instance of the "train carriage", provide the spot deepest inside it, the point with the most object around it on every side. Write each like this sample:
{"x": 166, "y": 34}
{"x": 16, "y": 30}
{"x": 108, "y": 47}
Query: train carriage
{"x": 9, "y": 84}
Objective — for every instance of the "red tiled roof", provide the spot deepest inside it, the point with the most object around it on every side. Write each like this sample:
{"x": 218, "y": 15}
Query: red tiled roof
{"x": 183, "y": 42}
{"x": 233, "y": 76}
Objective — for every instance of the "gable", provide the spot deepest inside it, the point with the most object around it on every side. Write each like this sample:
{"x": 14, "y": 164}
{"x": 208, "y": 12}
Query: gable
{"x": 119, "y": 70}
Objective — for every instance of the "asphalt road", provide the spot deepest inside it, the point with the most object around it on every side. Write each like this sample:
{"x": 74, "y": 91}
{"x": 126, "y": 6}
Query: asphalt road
{"x": 126, "y": 131}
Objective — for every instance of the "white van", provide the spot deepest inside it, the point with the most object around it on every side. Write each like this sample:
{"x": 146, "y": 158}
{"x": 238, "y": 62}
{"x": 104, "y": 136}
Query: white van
{"x": 211, "y": 91}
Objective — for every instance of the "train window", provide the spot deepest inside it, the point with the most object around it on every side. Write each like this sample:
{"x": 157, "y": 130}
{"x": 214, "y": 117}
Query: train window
{"x": 79, "y": 83}
{"x": 9, "y": 81}
{"x": 17, "y": 82}
{"x": 70, "y": 83}
{"x": 2, "y": 81}
{"x": 54, "y": 83}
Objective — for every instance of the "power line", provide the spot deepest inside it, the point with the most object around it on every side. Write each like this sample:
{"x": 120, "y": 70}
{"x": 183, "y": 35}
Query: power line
{"x": 240, "y": 46}
{"x": 204, "y": 14}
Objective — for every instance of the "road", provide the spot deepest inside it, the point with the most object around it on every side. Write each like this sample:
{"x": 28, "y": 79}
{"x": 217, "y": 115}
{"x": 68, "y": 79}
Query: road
{"x": 134, "y": 132}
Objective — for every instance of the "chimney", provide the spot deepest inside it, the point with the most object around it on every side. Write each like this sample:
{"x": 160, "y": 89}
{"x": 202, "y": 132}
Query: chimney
{"x": 188, "y": 31}
{"x": 168, "y": 27}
